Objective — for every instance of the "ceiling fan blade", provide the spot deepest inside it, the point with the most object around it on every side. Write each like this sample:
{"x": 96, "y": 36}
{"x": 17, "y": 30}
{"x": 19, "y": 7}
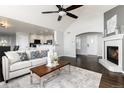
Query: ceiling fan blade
{"x": 59, "y": 18}
{"x": 50, "y": 12}
{"x": 72, "y": 15}
{"x": 59, "y": 7}
{"x": 73, "y": 7}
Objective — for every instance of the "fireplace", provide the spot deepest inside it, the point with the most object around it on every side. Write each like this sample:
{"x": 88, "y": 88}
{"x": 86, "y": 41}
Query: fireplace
{"x": 112, "y": 54}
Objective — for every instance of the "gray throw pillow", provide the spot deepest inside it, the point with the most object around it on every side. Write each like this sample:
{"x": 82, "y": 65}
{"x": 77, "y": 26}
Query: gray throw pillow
{"x": 44, "y": 53}
{"x": 23, "y": 56}
{"x": 35, "y": 54}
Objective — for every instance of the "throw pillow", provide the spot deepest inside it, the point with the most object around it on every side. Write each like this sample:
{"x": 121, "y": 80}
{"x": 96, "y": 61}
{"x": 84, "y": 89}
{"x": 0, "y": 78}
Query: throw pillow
{"x": 23, "y": 56}
{"x": 12, "y": 56}
{"x": 35, "y": 54}
{"x": 44, "y": 53}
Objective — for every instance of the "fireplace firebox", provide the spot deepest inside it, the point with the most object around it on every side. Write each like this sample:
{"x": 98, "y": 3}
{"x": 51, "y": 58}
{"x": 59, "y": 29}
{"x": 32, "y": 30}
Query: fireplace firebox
{"x": 112, "y": 54}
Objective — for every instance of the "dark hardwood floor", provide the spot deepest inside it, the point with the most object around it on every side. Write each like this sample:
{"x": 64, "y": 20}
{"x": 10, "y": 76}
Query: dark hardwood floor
{"x": 109, "y": 79}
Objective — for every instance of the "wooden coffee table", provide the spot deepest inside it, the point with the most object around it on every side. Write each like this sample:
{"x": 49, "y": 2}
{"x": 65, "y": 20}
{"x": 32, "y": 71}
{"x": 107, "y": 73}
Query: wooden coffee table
{"x": 42, "y": 70}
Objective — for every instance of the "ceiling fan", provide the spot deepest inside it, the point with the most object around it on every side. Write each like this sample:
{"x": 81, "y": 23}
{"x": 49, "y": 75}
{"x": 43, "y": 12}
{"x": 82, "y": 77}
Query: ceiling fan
{"x": 64, "y": 11}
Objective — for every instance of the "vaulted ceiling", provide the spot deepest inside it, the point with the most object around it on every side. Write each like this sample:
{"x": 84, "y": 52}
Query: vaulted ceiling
{"x": 32, "y": 14}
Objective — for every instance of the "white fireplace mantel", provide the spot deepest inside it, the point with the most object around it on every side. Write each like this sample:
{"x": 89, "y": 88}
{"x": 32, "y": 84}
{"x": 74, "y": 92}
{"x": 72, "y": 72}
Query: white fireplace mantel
{"x": 114, "y": 40}
{"x": 114, "y": 37}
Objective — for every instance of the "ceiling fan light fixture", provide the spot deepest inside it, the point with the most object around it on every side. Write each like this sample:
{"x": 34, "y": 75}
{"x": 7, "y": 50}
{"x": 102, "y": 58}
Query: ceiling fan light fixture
{"x": 62, "y": 13}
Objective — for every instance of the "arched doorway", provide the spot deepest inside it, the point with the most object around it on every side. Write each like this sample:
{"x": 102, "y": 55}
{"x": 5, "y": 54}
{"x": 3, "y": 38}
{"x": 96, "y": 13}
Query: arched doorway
{"x": 89, "y": 43}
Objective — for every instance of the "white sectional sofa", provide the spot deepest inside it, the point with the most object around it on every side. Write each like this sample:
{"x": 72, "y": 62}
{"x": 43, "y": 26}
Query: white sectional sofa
{"x": 21, "y": 67}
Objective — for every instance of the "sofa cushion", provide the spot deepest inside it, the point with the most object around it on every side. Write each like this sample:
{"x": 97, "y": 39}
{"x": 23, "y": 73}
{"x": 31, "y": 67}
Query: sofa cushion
{"x": 35, "y": 54}
{"x": 13, "y": 56}
{"x": 39, "y": 61}
{"x": 23, "y": 56}
{"x": 43, "y": 53}
{"x": 28, "y": 52}
{"x": 20, "y": 65}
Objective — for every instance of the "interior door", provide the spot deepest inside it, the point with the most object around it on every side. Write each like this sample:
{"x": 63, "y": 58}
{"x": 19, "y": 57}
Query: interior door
{"x": 84, "y": 45}
{"x": 81, "y": 46}
{"x": 91, "y": 44}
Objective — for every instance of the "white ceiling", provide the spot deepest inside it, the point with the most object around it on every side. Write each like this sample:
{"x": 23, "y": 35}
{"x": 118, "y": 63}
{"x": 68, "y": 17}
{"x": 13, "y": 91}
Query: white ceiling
{"x": 32, "y": 14}
{"x": 19, "y": 26}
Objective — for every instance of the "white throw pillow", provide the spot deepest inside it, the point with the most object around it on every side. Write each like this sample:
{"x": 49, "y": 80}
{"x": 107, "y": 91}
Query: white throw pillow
{"x": 12, "y": 56}
{"x": 28, "y": 52}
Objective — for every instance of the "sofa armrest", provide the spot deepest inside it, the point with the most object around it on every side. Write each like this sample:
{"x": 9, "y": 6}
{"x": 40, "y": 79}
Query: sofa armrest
{"x": 5, "y": 67}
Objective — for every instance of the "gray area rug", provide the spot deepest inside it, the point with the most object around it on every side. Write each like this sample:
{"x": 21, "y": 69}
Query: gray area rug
{"x": 77, "y": 78}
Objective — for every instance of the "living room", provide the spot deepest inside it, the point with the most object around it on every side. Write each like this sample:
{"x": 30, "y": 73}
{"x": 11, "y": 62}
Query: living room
{"x": 27, "y": 28}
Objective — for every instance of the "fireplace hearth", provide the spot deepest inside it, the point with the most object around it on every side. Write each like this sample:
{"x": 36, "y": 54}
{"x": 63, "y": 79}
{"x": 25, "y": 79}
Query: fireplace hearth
{"x": 112, "y": 54}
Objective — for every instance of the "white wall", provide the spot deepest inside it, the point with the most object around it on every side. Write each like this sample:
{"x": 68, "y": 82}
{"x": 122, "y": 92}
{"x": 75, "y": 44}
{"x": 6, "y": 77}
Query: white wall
{"x": 58, "y": 36}
{"x": 92, "y": 44}
{"x": 90, "y": 20}
{"x": 100, "y": 44}
{"x": 22, "y": 39}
